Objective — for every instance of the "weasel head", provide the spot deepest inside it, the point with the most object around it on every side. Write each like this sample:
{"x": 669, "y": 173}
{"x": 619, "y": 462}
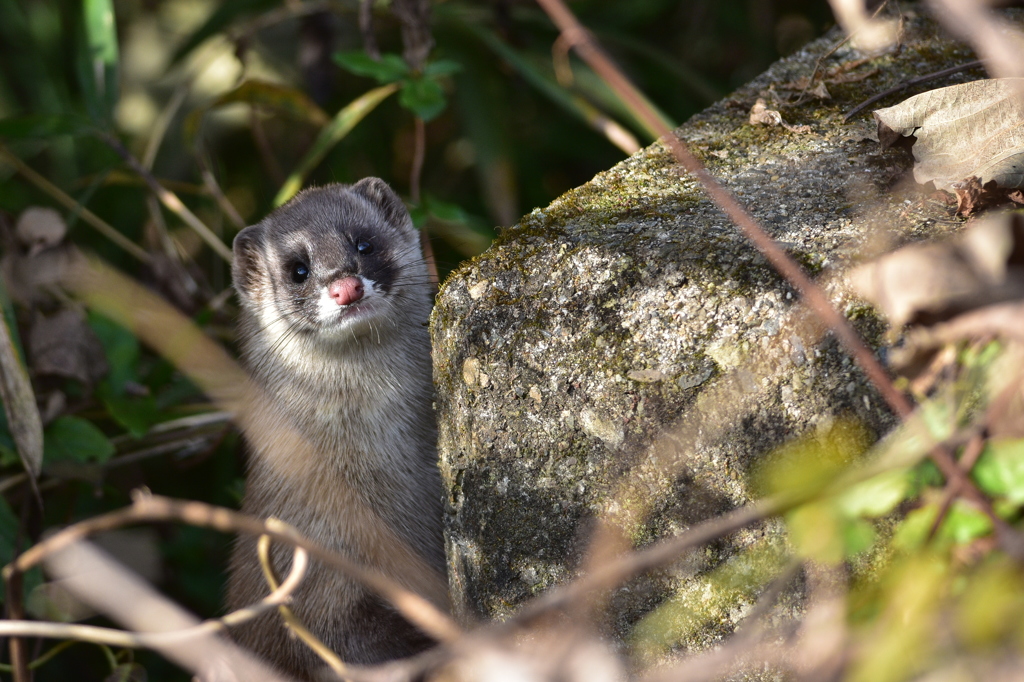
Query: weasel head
{"x": 335, "y": 264}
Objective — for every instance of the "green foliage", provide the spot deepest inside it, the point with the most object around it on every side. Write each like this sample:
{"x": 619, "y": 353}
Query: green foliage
{"x": 73, "y": 439}
{"x": 420, "y": 93}
{"x": 1000, "y": 470}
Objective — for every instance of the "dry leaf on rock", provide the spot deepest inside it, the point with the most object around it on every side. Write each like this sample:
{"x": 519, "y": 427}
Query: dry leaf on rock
{"x": 972, "y": 196}
{"x": 929, "y": 283}
{"x": 760, "y": 114}
{"x": 962, "y": 131}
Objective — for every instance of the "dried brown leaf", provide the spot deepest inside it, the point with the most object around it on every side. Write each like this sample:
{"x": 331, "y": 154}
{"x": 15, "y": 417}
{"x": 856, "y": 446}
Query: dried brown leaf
{"x": 63, "y": 345}
{"x": 928, "y": 283}
{"x": 760, "y": 114}
{"x": 972, "y": 129}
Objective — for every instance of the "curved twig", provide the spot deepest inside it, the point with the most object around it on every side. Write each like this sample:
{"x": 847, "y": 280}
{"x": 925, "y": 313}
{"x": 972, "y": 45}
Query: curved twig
{"x": 147, "y": 507}
{"x": 135, "y": 640}
{"x": 291, "y": 620}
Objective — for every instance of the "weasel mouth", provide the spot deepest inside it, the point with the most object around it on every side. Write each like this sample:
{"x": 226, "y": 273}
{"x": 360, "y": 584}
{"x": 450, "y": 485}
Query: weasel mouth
{"x": 343, "y": 317}
{"x": 346, "y": 300}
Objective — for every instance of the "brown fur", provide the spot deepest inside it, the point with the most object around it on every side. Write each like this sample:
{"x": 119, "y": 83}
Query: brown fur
{"x": 345, "y": 449}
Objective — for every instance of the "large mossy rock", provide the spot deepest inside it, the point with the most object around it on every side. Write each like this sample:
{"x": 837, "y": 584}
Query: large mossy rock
{"x": 626, "y": 352}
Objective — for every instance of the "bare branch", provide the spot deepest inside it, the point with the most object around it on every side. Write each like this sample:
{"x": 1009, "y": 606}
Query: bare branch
{"x": 146, "y": 507}
{"x": 107, "y": 586}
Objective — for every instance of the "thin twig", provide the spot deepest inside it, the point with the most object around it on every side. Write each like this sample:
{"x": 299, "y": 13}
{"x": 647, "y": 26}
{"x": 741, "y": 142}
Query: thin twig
{"x": 291, "y": 620}
{"x": 293, "y": 10}
{"x": 266, "y": 152}
{"x": 44, "y": 658}
{"x": 815, "y": 296}
{"x": 99, "y": 581}
{"x": 418, "y": 155}
{"x": 366, "y": 29}
{"x": 971, "y": 453}
{"x": 16, "y": 645}
{"x": 76, "y": 208}
{"x": 169, "y": 199}
{"x": 621, "y": 569}
{"x": 218, "y": 195}
{"x": 279, "y": 595}
{"x": 910, "y": 83}
{"x": 413, "y": 607}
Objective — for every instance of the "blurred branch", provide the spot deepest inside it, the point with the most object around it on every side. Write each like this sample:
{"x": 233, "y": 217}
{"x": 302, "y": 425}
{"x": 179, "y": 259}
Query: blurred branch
{"x": 366, "y": 28}
{"x": 999, "y": 44}
{"x": 17, "y": 645}
{"x": 88, "y": 216}
{"x": 94, "y": 578}
{"x": 279, "y": 595}
{"x": 619, "y": 569}
{"x": 147, "y": 507}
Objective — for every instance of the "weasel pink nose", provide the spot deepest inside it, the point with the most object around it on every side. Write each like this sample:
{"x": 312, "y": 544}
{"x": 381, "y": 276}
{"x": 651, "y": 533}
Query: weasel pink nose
{"x": 346, "y": 291}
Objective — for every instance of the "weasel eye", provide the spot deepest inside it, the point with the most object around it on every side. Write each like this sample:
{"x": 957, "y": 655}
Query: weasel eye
{"x": 364, "y": 248}
{"x": 299, "y": 273}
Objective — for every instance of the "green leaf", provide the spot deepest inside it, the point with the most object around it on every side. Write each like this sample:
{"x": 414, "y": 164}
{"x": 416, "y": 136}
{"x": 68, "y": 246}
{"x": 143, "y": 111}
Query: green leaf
{"x": 136, "y": 414}
{"x": 342, "y": 124}
{"x": 924, "y": 475}
{"x": 442, "y": 67}
{"x": 964, "y": 523}
{"x": 1000, "y": 469}
{"x": 73, "y": 439}
{"x": 102, "y": 54}
{"x": 121, "y": 348}
{"x": 912, "y": 533}
{"x": 858, "y": 536}
{"x": 388, "y": 69}
{"x": 876, "y": 496}
{"x": 803, "y": 467}
{"x": 816, "y": 532}
{"x": 423, "y": 97}
{"x": 467, "y": 234}
{"x": 42, "y": 126}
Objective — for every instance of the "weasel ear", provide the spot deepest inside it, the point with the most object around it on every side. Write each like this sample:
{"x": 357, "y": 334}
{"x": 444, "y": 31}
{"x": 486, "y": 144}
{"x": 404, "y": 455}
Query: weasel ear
{"x": 248, "y": 266}
{"x": 383, "y": 197}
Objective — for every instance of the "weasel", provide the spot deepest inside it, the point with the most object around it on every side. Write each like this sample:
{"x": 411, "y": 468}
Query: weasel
{"x": 335, "y": 299}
